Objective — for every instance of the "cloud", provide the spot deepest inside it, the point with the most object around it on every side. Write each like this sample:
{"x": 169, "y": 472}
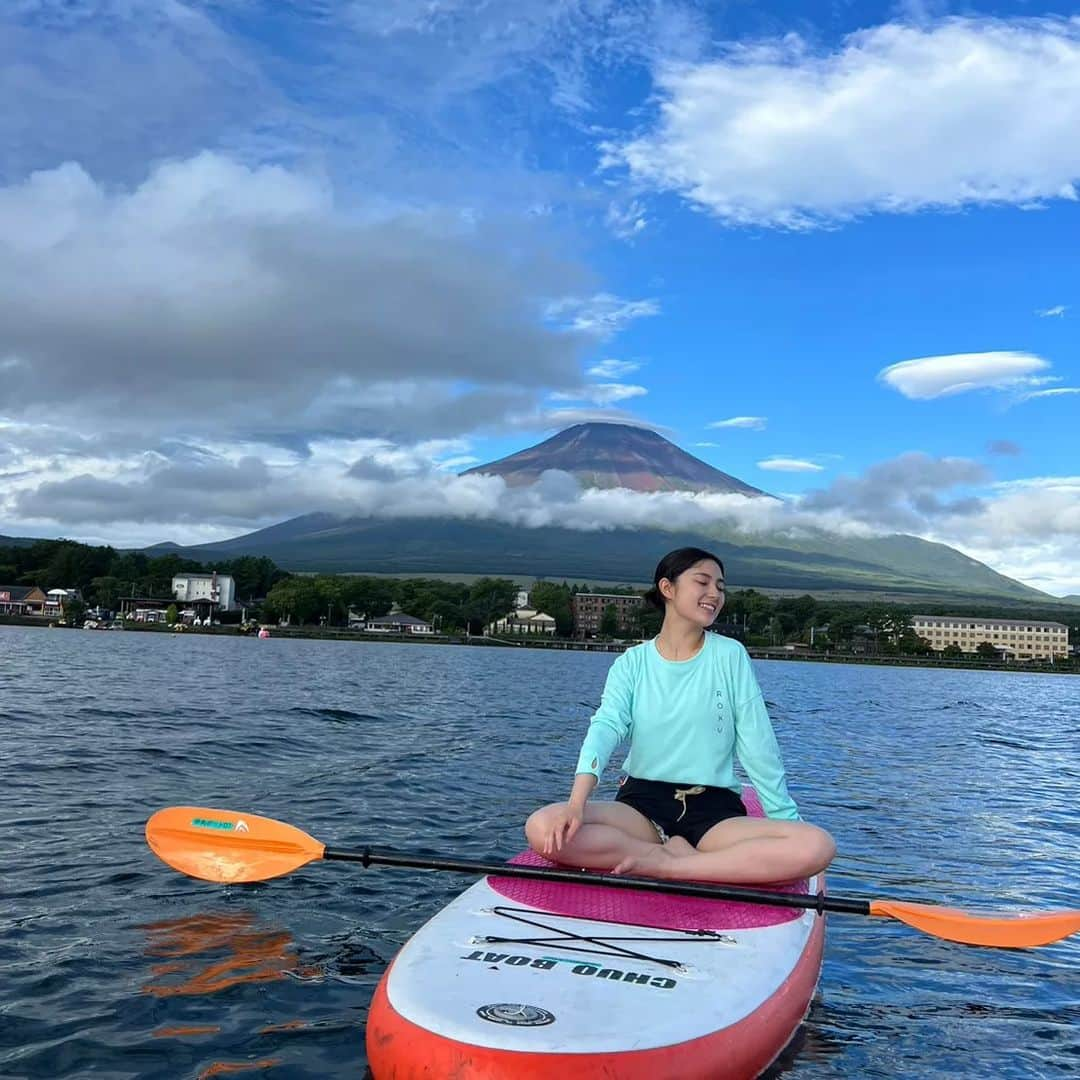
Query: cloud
{"x": 1027, "y": 529}
{"x": 601, "y": 315}
{"x": 1055, "y": 312}
{"x": 898, "y": 118}
{"x": 1056, "y": 391}
{"x": 902, "y": 493}
{"x": 626, "y": 220}
{"x": 613, "y": 369}
{"x": 217, "y": 296}
{"x": 603, "y": 393}
{"x": 115, "y": 83}
{"x": 752, "y": 423}
{"x": 940, "y": 376}
{"x": 1004, "y": 447}
{"x": 786, "y": 464}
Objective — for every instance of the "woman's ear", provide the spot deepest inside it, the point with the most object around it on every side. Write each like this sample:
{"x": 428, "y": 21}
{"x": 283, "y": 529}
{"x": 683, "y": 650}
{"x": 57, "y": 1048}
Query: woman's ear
{"x": 666, "y": 587}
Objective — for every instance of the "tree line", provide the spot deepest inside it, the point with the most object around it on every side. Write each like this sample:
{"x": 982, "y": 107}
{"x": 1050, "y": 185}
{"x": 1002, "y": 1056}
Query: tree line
{"x": 103, "y": 575}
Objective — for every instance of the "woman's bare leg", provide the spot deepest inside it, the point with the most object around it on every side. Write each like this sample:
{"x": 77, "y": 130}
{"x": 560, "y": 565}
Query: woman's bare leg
{"x": 610, "y": 832}
{"x": 742, "y": 851}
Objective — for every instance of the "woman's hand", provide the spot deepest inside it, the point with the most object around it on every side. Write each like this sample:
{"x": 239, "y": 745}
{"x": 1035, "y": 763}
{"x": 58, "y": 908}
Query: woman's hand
{"x": 564, "y": 823}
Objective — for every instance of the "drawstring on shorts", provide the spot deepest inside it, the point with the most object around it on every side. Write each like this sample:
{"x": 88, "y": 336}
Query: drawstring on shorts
{"x": 682, "y": 793}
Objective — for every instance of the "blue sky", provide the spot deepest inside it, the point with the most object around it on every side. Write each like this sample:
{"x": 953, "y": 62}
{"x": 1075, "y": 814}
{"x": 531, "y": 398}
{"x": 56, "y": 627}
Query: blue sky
{"x": 258, "y": 259}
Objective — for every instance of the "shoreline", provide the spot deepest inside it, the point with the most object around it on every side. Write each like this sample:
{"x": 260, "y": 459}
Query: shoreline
{"x": 757, "y": 652}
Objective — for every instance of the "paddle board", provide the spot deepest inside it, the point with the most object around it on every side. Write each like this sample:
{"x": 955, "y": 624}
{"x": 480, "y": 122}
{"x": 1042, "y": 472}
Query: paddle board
{"x": 520, "y": 979}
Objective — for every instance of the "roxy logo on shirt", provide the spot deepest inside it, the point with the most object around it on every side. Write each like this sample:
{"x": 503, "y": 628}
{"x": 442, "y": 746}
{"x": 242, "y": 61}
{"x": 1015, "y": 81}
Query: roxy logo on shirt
{"x": 718, "y": 699}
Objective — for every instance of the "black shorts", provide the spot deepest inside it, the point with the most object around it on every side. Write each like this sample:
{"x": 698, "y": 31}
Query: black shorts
{"x": 686, "y": 810}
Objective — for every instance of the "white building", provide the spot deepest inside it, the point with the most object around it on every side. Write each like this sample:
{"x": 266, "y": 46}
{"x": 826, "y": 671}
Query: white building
{"x": 218, "y": 588}
{"x": 397, "y": 623}
{"x": 1021, "y": 638}
{"x": 57, "y": 599}
{"x": 524, "y": 620}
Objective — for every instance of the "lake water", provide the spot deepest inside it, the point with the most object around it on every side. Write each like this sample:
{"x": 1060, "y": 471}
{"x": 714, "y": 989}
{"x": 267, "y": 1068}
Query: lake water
{"x": 951, "y": 786}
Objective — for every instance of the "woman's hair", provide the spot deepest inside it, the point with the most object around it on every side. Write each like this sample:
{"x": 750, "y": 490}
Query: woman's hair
{"x": 672, "y": 565}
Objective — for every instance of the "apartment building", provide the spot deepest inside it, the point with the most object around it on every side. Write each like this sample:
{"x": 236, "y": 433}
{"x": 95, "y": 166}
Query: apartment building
{"x": 1020, "y": 638}
{"x": 588, "y": 609}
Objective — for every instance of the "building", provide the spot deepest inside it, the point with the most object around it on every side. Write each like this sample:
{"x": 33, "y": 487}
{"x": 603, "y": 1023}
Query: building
{"x": 57, "y": 599}
{"x": 589, "y": 608}
{"x": 1020, "y": 639}
{"x": 218, "y": 589}
{"x": 523, "y": 620}
{"x": 21, "y": 600}
{"x": 398, "y": 623}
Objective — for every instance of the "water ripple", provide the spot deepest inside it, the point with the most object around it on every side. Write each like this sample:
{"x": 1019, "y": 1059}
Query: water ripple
{"x": 950, "y": 786}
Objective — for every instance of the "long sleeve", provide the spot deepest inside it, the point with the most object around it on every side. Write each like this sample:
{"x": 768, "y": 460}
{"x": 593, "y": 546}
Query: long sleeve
{"x": 757, "y": 749}
{"x": 611, "y": 723}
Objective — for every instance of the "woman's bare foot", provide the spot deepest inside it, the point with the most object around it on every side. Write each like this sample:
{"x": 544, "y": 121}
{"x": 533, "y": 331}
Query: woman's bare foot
{"x": 679, "y": 846}
{"x": 657, "y": 862}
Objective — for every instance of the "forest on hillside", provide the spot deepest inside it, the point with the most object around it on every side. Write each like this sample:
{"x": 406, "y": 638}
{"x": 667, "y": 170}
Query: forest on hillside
{"x": 104, "y": 575}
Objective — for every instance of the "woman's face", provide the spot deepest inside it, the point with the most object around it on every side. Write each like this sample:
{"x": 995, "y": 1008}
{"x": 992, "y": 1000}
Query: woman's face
{"x": 697, "y": 594}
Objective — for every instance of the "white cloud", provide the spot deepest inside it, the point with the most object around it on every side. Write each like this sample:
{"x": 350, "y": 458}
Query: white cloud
{"x": 602, "y": 393}
{"x": 613, "y": 369}
{"x": 1056, "y": 391}
{"x": 786, "y": 464}
{"x": 752, "y": 423}
{"x": 899, "y": 118}
{"x": 939, "y": 376}
{"x": 1028, "y": 529}
{"x": 601, "y": 315}
{"x": 626, "y": 220}
{"x": 1055, "y": 312}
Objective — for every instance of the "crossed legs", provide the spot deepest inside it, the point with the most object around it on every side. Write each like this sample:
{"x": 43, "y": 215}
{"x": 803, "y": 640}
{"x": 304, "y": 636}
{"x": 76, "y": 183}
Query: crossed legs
{"x": 737, "y": 851}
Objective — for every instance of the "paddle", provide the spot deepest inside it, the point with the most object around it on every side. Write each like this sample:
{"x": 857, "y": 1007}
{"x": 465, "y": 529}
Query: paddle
{"x": 227, "y": 847}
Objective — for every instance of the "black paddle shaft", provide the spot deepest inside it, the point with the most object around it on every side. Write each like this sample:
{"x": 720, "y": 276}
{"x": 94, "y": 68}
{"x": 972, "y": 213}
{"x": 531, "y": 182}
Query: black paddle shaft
{"x": 819, "y": 902}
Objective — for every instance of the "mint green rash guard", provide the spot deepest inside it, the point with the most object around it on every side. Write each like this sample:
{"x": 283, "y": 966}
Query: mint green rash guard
{"x": 687, "y": 721}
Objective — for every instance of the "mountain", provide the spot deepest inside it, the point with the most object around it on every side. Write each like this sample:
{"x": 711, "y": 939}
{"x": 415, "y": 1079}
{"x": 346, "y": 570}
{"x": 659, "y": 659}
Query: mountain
{"x": 902, "y": 568}
{"x": 893, "y": 567}
{"x": 615, "y": 455}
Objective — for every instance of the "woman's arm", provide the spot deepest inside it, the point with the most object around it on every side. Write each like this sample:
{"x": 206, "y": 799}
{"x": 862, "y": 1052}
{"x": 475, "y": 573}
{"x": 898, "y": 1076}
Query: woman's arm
{"x": 755, "y": 743}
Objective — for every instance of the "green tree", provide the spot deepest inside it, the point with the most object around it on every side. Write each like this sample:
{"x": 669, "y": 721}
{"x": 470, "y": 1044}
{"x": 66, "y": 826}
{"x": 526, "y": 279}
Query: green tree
{"x": 171, "y": 614}
{"x": 987, "y": 649}
{"x": 647, "y": 621}
{"x": 609, "y": 622}
{"x": 489, "y": 600}
{"x": 74, "y": 612}
{"x": 554, "y": 600}
{"x": 370, "y": 597}
{"x": 296, "y": 599}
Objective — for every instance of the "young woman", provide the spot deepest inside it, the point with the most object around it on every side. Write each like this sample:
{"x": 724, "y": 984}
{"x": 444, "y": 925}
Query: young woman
{"x": 689, "y": 703}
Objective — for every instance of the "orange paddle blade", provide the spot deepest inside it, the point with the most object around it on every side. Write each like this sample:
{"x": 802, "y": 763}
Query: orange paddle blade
{"x": 222, "y": 845}
{"x": 1005, "y": 932}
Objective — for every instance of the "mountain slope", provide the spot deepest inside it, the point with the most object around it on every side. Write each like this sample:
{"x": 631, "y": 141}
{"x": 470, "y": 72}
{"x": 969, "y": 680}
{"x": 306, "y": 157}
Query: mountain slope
{"x": 604, "y": 455}
{"x": 901, "y": 566}
{"x": 609, "y": 455}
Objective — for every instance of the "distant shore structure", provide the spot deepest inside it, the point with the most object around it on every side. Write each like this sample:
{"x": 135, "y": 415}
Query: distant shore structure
{"x": 588, "y": 610}
{"x": 1020, "y": 638}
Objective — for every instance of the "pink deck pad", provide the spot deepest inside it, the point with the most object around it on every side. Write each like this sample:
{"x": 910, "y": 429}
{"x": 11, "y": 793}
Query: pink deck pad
{"x": 644, "y": 908}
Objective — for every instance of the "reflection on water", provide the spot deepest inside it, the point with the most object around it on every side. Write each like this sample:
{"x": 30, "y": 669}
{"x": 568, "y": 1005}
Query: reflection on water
{"x": 217, "y": 951}
{"x": 251, "y": 955}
